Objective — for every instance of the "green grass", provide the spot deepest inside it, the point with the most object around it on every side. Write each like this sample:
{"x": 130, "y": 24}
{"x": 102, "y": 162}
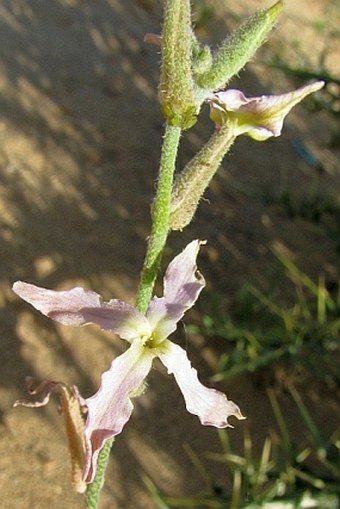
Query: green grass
{"x": 284, "y": 475}
{"x": 261, "y": 330}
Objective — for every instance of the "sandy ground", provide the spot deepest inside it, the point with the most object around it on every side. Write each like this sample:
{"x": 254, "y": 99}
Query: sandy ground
{"x": 80, "y": 135}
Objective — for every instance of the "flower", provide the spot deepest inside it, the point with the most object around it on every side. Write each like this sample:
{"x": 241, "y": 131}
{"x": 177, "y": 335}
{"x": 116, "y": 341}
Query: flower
{"x": 258, "y": 117}
{"x": 110, "y": 408}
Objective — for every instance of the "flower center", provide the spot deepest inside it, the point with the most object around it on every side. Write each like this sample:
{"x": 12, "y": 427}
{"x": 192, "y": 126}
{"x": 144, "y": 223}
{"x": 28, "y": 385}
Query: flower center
{"x": 149, "y": 341}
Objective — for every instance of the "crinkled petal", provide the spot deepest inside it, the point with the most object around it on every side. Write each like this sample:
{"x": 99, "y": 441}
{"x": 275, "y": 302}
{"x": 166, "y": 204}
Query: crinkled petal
{"x": 258, "y": 117}
{"x": 72, "y": 409}
{"x": 211, "y": 406}
{"x": 80, "y": 307}
{"x": 46, "y": 388}
{"x": 110, "y": 408}
{"x": 229, "y": 100}
{"x": 182, "y": 286}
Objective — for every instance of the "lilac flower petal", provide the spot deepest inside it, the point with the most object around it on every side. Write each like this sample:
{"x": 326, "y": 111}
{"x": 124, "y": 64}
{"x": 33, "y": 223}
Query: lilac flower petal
{"x": 211, "y": 406}
{"x": 229, "y": 100}
{"x": 258, "y": 117}
{"x": 80, "y": 307}
{"x": 46, "y": 388}
{"x": 181, "y": 273}
{"x": 182, "y": 286}
{"x": 110, "y": 408}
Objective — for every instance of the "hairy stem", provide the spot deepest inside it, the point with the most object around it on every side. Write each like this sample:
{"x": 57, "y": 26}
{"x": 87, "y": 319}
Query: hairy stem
{"x": 160, "y": 217}
{"x": 93, "y": 489}
{"x": 156, "y": 244}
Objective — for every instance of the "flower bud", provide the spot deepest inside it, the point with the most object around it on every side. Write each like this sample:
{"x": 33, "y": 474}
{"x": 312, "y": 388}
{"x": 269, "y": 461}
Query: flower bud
{"x": 191, "y": 183}
{"x": 239, "y": 48}
{"x": 176, "y": 92}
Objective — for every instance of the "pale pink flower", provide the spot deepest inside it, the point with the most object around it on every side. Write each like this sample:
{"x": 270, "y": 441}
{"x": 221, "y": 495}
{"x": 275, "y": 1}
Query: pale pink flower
{"x": 258, "y": 117}
{"x": 110, "y": 408}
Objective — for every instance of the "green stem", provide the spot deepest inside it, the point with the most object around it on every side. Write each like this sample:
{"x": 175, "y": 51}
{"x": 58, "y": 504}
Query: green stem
{"x": 93, "y": 489}
{"x": 156, "y": 243}
{"x": 160, "y": 216}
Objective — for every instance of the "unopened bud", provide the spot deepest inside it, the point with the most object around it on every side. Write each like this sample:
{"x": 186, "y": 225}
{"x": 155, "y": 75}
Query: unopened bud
{"x": 191, "y": 183}
{"x": 239, "y": 48}
{"x": 176, "y": 90}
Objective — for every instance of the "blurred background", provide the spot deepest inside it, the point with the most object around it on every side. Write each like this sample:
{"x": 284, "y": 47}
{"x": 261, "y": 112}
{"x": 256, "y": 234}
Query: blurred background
{"x": 80, "y": 138}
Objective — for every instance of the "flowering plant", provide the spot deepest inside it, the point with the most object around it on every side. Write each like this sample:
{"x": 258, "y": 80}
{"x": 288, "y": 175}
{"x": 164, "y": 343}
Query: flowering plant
{"x": 191, "y": 74}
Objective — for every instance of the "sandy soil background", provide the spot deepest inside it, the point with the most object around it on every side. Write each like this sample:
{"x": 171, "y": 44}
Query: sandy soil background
{"x": 80, "y": 135}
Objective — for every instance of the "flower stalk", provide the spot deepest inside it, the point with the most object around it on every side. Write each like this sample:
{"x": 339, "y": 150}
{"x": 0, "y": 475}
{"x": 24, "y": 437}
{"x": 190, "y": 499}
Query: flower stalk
{"x": 160, "y": 217}
{"x": 93, "y": 489}
{"x": 155, "y": 247}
